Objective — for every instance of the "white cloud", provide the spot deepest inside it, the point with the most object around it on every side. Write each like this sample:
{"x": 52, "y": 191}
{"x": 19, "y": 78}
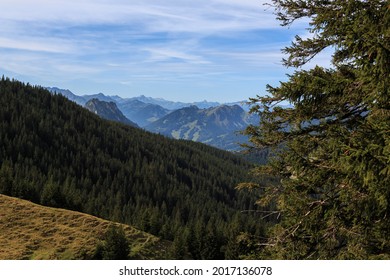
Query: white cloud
{"x": 179, "y": 16}
{"x": 37, "y": 44}
{"x": 161, "y": 54}
{"x": 252, "y": 58}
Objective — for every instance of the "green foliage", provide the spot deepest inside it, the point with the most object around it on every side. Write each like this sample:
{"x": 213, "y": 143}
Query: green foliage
{"x": 178, "y": 249}
{"x": 332, "y": 148}
{"x": 6, "y": 178}
{"x": 114, "y": 246}
{"x": 51, "y": 194}
{"x": 54, "y": 152}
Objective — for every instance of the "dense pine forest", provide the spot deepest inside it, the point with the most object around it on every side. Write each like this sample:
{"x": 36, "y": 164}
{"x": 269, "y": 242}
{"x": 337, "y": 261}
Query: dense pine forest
{"x": 56, "y": 153}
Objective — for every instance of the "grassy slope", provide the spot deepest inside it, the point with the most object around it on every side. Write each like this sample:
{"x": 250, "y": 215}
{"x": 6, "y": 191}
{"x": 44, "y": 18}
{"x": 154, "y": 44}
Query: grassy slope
{"x": 31, "y": 231}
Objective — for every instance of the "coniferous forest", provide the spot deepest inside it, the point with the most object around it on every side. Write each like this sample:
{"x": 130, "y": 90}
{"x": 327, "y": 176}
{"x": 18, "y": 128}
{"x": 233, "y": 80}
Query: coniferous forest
{"x": 58, "y": 154}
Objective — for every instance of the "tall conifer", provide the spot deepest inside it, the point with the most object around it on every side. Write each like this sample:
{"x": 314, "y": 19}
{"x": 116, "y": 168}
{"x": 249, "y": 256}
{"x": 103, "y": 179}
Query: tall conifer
{"x": 332, "y": 147}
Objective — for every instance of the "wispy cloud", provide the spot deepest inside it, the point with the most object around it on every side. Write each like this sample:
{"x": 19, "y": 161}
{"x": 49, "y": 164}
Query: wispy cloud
{"x": 37, "y": 45}
{"x": 171, "y": 55}
{"x": 177, "y": 15}
{"x": 142, "y": 42}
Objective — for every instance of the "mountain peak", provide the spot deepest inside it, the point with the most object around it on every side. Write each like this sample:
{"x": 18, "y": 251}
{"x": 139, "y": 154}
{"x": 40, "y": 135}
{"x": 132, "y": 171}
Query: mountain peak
{"x": 108, "y": 111}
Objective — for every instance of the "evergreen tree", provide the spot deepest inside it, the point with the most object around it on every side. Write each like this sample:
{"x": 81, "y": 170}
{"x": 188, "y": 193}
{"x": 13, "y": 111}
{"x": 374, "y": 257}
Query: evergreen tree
{"x": 6, "y": 178}
{"x": 114, "y": 246}
{"x": 51, "y": 194}
{"x": 332, "y": 147}
{"x": 178, "y": 249}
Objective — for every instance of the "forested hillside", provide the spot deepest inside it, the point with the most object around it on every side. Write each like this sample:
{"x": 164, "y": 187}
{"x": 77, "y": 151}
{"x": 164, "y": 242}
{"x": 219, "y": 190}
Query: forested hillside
{"x": 54, "y": 152}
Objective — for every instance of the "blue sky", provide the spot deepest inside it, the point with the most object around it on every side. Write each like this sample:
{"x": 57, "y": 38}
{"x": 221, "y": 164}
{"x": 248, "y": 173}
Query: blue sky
{"x": 218, "y": 50}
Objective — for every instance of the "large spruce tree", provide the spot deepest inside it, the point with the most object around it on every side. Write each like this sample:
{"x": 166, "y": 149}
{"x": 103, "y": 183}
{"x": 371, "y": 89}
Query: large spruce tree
{"x": 332, "y": 147}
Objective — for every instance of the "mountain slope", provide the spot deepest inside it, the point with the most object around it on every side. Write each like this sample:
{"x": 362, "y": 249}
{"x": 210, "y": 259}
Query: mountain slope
{"x": 108, "y": 111}
{"x": 142, "y": 113}
{"x": 56, "y": 153}
{"x": 217, "y": 126}
{"x": 31, "y": 231}
{"x": 68, "y": 94}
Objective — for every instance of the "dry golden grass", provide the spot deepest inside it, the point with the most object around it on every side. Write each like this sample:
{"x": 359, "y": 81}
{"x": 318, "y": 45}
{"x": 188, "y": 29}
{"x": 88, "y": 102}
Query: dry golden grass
{"x": 31, "y": 231}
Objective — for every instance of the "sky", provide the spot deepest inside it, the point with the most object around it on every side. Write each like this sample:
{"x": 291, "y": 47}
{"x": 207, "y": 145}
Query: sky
{"x": 180, "y": 50}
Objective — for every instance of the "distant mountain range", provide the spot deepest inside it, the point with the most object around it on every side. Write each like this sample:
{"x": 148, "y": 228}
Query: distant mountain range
{"x": 211, "y": 123}
{"x": 169, "y": 105}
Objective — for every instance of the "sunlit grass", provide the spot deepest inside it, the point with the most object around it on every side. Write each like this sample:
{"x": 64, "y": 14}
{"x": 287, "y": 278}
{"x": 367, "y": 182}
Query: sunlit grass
{"x": 31, "y": 231}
